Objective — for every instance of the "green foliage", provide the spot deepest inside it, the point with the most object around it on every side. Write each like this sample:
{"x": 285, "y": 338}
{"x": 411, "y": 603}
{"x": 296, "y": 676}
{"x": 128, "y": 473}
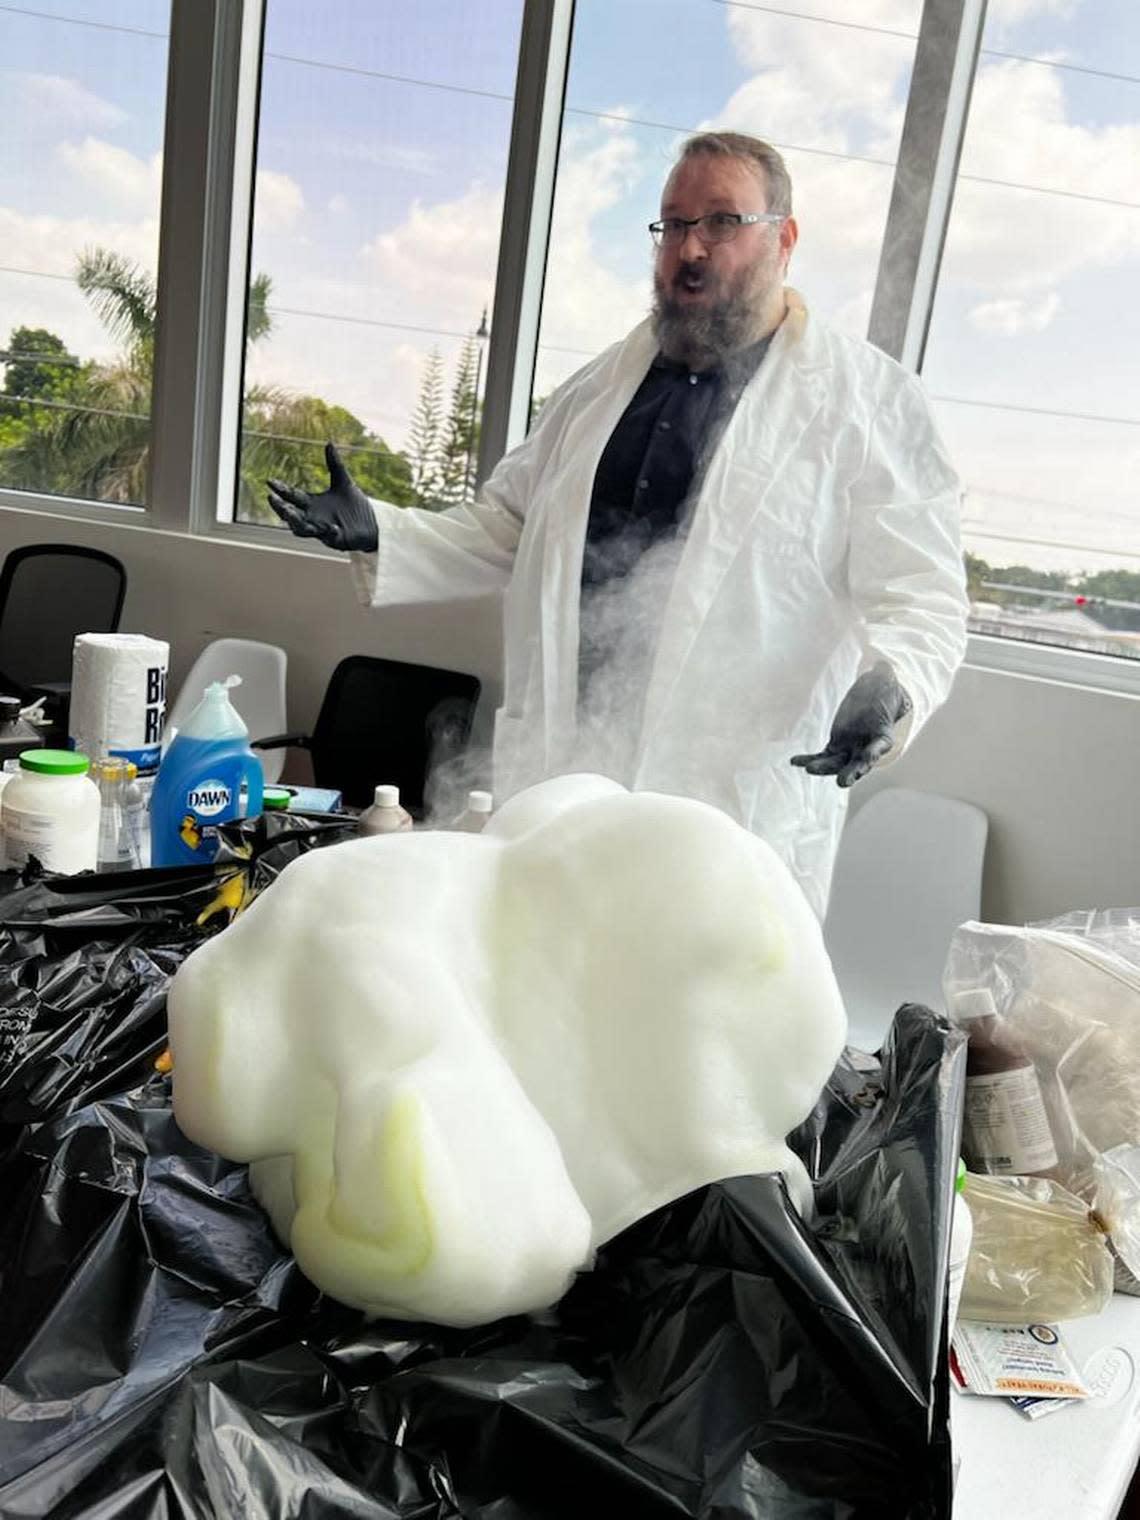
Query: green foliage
{"x": 284, "y": 437}
{"x": 88, "y": 433}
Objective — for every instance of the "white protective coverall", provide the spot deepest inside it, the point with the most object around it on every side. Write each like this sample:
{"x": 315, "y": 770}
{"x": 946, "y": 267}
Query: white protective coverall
{"x": 824, "y": 538}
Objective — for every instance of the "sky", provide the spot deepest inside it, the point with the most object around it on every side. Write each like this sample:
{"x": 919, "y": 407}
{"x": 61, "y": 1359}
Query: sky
{"x": 379, "y": 198}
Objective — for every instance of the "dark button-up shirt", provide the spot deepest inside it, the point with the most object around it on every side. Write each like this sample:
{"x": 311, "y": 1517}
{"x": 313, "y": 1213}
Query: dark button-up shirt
{"x": 655, "y": 456}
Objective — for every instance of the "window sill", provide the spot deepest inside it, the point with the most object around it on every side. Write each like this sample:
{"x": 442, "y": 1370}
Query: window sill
{"x": 1048, "y": 662}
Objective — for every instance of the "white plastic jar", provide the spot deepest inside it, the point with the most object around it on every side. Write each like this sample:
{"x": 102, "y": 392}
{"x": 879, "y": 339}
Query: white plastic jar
{"x": 50, "y": 809}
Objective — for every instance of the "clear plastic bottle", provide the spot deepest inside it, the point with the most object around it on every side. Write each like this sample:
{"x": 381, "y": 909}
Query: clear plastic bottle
{"x": 1006, "y": 1129}
{"x": 961, "y": 1235}
{"x": 51, "y": 810}
{"x": 136, "y": 813}
{"x": 385, "y": 816}
{"x": 474, "y": 817}
{"x": 115, "y": 853}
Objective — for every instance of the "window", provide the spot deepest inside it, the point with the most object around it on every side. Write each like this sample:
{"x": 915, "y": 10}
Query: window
{"x": 381, "y": 158}
{"x": 830, "y": 93}
{"x": 1031, "y": 358}
{"x": 80, "y": 190}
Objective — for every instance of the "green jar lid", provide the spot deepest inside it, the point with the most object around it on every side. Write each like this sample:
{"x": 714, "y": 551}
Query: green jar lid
{"x": 276, "y": 797}
{"x": 54, "y": 762}
{"x": 960, "y": 1181}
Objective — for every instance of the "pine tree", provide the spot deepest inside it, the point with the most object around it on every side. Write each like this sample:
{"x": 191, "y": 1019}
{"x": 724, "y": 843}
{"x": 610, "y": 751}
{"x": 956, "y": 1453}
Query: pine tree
{"x": 425, "y": 433}
{"x": 457, "y": 444}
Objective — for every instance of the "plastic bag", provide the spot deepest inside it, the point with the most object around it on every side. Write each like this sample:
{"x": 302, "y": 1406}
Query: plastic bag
{"x": 1037, "y": 1254}
{"x": 1069, "y": 992}
{"x": 160, "y": 1355}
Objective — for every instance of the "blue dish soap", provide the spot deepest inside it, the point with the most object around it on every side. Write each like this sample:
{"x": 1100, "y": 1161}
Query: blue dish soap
{"x": 208, "y": 776}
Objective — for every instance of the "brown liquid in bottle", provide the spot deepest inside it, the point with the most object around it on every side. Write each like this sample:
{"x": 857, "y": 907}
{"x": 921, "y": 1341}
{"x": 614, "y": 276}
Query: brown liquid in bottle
{"x": 1006, "y": 1126}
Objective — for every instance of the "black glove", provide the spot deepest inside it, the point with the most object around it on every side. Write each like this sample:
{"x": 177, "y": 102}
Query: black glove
{"x": 863, "y": 730}
{"x": 341, "y": 517}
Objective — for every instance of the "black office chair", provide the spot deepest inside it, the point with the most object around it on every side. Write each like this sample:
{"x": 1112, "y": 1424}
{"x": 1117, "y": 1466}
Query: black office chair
{"x": 48, "y": 594}
{"x": 386, "y": 721}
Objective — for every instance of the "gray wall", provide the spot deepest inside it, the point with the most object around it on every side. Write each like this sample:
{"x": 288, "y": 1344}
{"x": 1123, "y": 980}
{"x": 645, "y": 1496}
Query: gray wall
{"x": 1054, "y": 766}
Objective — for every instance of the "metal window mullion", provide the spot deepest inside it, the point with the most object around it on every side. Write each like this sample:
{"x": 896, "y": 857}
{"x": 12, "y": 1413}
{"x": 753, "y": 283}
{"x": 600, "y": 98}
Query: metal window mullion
{"x": 198, "y": 164}
{"x": 528, "y": 204}
{"x": 934, "y": 127}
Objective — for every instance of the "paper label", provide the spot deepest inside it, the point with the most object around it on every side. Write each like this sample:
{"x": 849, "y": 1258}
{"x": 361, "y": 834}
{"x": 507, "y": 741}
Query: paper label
{"x": 1006, "y": 1127}
{"x": 38, "y": 834}
{"x": 1014, "y": 1360}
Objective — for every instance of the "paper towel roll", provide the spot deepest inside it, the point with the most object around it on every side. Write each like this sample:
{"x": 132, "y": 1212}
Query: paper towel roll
{"x": 118, "y": 696}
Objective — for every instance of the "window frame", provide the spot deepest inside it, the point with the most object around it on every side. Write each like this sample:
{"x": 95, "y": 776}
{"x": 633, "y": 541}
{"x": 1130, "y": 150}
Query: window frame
{"x": 209, "y": 156}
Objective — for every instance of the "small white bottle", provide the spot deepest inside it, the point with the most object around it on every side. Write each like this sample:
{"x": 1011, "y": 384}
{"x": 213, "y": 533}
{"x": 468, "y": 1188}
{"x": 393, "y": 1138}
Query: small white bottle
{"x": 51, "y": 811}
{"x": 474, "y": 816}
{"x": 385, "y": 816}
{"x": 961, "y": 1238}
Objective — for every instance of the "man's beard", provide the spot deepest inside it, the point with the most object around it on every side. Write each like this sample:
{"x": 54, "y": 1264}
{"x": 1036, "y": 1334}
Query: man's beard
{"x": 705, "y": 337}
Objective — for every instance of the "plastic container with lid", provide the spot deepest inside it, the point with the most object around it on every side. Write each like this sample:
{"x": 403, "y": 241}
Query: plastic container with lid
{"x": 50, "y": 809}
{"x": 1006, "y": 1129}
{"x": 385, "y": 816}
{"x": 961, "y": 1236}
{"x": 476, "y": 814}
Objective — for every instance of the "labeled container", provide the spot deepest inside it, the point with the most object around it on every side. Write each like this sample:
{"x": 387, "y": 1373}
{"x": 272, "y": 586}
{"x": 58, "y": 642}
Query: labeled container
{"x": 50, "y": 810}
{"x": 961, "y": 1236}
{"x": 476, "y": 814}
{"x": 1005, "y": 1128}
{"x": 16, "y": 733}
{"x": 385, "y": 816}
{"x": 136, "y": 811}
{"x": 208, "y": 776}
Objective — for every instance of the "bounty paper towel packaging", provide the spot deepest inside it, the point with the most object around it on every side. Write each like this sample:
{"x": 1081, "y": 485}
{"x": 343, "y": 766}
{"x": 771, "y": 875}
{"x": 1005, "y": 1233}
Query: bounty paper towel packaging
{"x": 118, "y": 697}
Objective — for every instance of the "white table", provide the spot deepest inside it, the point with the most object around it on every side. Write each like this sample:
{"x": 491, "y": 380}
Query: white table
{"x": 1074, "y": 1464}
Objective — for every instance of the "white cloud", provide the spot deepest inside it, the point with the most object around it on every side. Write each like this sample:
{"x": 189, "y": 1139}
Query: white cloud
{"x": 338, "y": 204}
{"x": 61, "y": 102}
{"x": 440, "y": 260}
{"x": 1011, "y": 316}
{"x": 279, "y": 201}
{"x": 113, "y": 171}
{"x": 385, "y": 155}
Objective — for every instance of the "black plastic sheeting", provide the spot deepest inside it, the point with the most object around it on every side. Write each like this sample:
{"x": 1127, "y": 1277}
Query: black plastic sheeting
{"x": 161, "y": 1356}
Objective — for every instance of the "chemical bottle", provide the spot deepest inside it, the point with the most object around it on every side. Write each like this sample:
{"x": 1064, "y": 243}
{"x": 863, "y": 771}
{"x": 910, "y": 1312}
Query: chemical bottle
{"x": 16, "y": 733}
{"x": 961, "y": 1235}
{"x": 475, "y": 815}
{"x": 208, "y": 776}
{"x": 1005, "y": 1128}
{"x": 136, "y": 812}
{"x": 50, "y": 809}
{"x": 115, "y": 851}
{"x": 385, "y": 816}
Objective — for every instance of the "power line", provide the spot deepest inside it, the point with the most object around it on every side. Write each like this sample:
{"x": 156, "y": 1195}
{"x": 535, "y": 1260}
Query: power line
{"x": 427, "y": 84}
{"x": 102, "y": 26}
{"x": 1051, "y": 543}
{"x": 855, "y": 26}
{"x": 333, "y": 316}
{"x": 1037, "y": 411}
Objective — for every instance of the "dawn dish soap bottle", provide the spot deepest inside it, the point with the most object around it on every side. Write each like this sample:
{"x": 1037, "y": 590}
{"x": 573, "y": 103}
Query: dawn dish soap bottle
{"x": 208, "y": 776}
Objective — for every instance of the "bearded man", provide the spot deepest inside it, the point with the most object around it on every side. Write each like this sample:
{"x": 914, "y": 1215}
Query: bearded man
{"x": 729, "y": 546}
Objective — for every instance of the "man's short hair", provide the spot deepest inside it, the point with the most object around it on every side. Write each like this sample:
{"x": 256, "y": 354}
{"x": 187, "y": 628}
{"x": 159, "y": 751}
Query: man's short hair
{"x": 753, "y": 151}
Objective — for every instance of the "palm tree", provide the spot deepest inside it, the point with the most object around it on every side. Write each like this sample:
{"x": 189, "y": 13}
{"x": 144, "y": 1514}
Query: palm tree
{"x": 94, "y": 442}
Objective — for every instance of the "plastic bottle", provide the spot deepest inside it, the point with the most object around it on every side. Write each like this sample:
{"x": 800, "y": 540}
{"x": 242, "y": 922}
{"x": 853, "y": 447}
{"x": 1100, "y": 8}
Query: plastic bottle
{"x": 961, "y": 1235}
{"x": 1006, "y": 1127}
{"x": 208, "y": 776}
{"x": 136, "y": 813}
{"x": 475, "y": 815}
{"x": 16, "y": 734}
{"x": 115, "y": 852}
{"x": 51, "y": 810}
{"x": 385, "y": 816}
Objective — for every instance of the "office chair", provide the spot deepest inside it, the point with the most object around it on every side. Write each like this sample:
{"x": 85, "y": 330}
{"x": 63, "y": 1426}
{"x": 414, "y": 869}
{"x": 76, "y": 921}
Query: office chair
{"x": 259, "y": 700}
{"x": 908, "y": 872}
{"x": 386, "y": 721}
{"x": 48, "y": 594}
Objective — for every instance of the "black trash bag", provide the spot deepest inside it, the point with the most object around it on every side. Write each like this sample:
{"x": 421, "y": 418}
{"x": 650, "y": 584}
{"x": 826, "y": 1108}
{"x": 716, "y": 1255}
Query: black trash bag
{"x": 161, "y": 1356}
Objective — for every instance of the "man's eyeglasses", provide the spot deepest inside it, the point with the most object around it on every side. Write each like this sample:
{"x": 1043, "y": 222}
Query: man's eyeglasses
{"x": 717, "y": 227}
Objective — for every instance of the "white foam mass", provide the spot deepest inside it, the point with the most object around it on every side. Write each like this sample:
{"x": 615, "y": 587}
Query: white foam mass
{"x": 461, "y": 1062}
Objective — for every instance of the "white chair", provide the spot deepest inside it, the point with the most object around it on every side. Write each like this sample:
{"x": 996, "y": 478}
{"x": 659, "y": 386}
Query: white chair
{"x": 260, "y": 699}
{"x": 908, "y": 872}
